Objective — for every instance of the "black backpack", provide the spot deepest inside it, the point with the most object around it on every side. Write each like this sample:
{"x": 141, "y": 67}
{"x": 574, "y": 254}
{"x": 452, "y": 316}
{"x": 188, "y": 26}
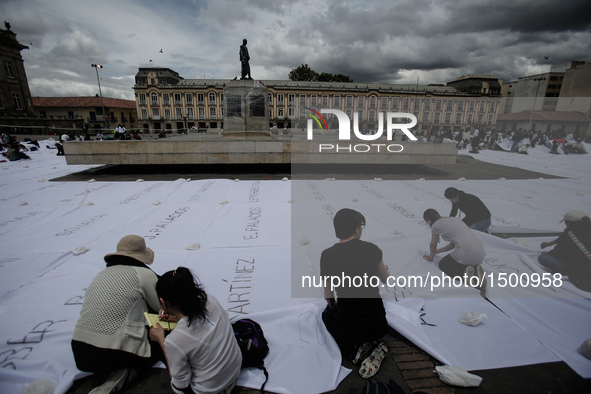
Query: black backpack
{"x": 253, "y": 345}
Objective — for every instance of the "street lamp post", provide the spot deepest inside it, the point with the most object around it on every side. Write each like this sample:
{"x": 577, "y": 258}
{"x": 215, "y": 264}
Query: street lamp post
{"x": 531, "y": 115}
{"x": 97, "y": 66}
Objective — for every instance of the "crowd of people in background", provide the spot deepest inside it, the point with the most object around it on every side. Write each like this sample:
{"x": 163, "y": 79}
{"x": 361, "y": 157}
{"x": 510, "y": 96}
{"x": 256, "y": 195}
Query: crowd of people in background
{"x": 520, "y": 140}
{"x": 14, "y": 150}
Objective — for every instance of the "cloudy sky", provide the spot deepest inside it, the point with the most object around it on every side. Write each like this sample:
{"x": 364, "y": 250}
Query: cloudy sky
{"x": 395, "y": 41}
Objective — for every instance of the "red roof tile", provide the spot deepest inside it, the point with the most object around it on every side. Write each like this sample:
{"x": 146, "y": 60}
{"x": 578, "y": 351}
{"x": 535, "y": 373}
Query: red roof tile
{"x": 73, "y": 102}
{"x": 545, "y": 116}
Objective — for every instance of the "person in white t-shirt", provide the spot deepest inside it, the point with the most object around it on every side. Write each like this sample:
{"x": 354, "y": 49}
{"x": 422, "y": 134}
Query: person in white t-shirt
{"x": 202, "y": 353}
{"x": 467, "y": 250}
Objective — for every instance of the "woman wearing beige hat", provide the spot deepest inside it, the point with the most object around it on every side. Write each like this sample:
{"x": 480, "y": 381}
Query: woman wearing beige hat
{"x": 110, "y": 335}
{"x": 572, "y": 254}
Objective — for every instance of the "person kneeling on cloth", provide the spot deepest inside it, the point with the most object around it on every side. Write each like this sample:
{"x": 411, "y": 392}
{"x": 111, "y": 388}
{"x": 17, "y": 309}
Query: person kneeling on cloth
{"x": 467, "y": 250}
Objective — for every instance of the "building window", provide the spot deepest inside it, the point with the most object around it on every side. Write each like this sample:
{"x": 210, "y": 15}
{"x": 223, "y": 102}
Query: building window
{"x": 325, "y": 100}
{"x": 16, "y": 98}
{"x": 280, "y": 112}
{"x": 167, "y": 114}
{"x": 190, "y": 113}
{"x": 313, "y": 100}
{"x": 349, "y": 113}
{"x": 480, "y": 118}
{"x": 384, "y": 104}
{"x": 70, "y": 114}
{"x": 437, "y": 118}
{"x": 490, "y": 119}
{"x": 200, "y": 98}
{"x": 438, "y": 105}
{"x": 270, "y": 97}
{"x": 154, "y": 98}
{"x": 461, "y": 105}
{"x": 458, "y": 118}
{"x": 9, "y": 69}
{"x": 152, "y": 81}
{"x": 448, "y": 118}
{"x": 189, "y": 98}
{"x": 178, "y": 113}
{"x": 417, "y": 104}
{"x": 371, "y": 115}
{"x": 144, "y": 114}
{"x": 395, "y": 103}
{"x": 470, "y": 117}
{"x": 405, "y": 103}
{"x": 165, "y": 99}
{"x": 372, "y": 102}
{"x": 428, "y": 104}
{"x": 349, "y": 102}
{"x": 336, "y": 101}
{"x": 142, "y": 99}
{"x": 449, "y": 105}
{"x": 155, "y": 113}
{"x": 493, "y": 106}
{"x": 425, "y": 117}
{"x": 291, "y": 99}
{"x": 177, "y": 99}
{"x": 302, "y": 100}
{"x": 482, "y": 106}
{"x": 201, "y": 113}
{"x": 361, "y": 102}
{"x": 291, "y": 113}
{"x": 212, "y": 113}
{"x": 472, "y": 106}
{"x": 302, "y": 113}
{"x": 280, "y": 98}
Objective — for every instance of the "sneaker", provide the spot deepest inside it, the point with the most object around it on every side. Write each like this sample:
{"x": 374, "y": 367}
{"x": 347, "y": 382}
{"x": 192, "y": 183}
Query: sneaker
{"x": 371, "y": 365}
{"x": 362, "y": 352}
{"x": 113, "y": 384}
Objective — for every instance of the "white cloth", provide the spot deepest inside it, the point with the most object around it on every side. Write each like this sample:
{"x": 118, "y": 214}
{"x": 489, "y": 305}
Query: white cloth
{"x": 204, "y": 355}
{"x": 468, "y": 248}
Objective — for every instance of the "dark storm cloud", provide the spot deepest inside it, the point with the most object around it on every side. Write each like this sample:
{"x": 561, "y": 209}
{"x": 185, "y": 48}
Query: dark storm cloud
{"x": 379, "y": 41}
{"x": 396, "y": 41}
{"x": 519, "y": 15}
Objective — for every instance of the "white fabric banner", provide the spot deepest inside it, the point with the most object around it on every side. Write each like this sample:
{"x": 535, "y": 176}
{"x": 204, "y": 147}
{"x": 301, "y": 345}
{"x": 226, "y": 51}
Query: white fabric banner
{"x": 250, "y": 241}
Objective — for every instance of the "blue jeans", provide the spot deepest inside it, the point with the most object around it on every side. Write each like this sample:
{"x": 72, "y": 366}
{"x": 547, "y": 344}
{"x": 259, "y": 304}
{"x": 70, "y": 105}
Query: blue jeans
{"x": 482, "y": 225}
{"x": 550, "y": 262}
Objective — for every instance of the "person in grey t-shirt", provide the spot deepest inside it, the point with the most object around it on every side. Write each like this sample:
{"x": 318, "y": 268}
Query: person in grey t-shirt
{"x": 467, "y": 250}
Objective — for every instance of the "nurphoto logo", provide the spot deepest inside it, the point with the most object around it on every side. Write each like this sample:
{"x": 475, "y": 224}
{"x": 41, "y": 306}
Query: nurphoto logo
{"x": 345, "y": 131}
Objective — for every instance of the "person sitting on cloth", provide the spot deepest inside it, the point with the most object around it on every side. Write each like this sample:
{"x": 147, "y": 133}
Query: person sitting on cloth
{"x": 468, "y": 251}
{"x": 202, "y": 354}
{"x": 477, "y": 214}
{"x": 572, "y": 254}
{"x": 110, "y": 335}
{"x": 356, "y": 317}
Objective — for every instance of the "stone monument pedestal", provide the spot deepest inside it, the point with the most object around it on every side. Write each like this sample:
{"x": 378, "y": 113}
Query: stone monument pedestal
{"x": 246, "y": 110}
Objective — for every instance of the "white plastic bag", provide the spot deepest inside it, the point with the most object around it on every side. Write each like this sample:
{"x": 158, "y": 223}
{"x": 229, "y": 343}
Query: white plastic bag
{"x": 455, "y": 376}
{"x": 473, "y": 318}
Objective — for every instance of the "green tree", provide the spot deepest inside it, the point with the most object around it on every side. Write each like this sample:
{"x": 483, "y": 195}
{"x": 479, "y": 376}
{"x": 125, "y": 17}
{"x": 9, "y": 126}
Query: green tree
{"x": 303, "y": 73}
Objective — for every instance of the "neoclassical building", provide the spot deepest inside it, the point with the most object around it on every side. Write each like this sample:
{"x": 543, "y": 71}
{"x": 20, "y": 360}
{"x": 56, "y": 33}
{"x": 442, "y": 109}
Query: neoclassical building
{"x": 167, "y": 101}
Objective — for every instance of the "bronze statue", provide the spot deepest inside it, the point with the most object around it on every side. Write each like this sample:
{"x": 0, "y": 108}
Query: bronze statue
{"x": 244, "y": 58}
